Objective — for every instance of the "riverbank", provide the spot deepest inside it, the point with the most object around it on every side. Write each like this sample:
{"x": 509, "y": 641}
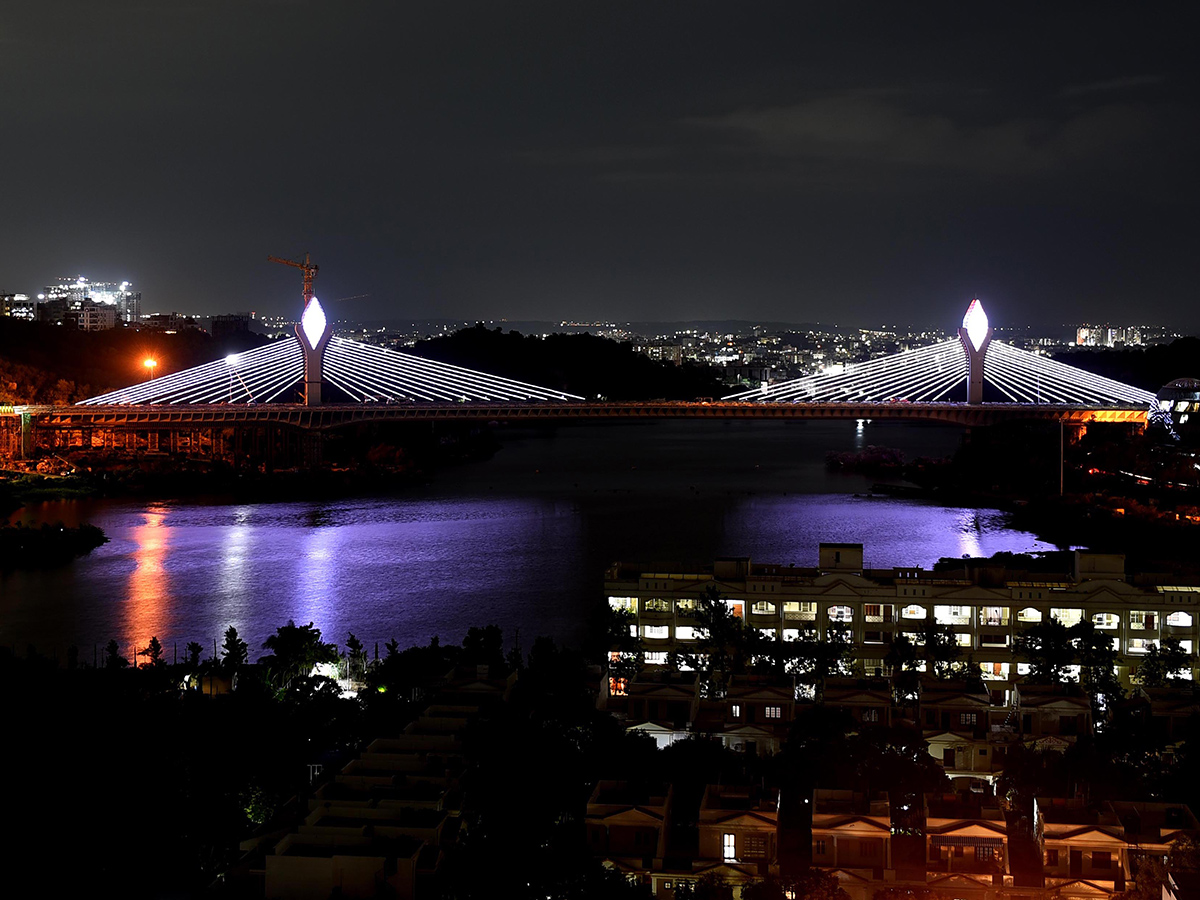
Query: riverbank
{"x": 28, "y": 547}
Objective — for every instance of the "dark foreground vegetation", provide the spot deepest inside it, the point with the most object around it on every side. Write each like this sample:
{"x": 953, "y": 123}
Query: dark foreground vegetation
{"x": 153, "y": 764}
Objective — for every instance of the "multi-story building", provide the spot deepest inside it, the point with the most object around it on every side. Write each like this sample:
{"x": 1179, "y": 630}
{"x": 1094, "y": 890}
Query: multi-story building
{"x": 985, "y": 606}
{"x": 1107, "y": 335}
{"x": 18, "y": 306}
{"x": 125, "y": 303}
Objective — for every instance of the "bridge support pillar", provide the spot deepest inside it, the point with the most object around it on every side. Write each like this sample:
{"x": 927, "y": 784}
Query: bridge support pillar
{"x": 975, "y": 336}
{"x": 314, "y": 332}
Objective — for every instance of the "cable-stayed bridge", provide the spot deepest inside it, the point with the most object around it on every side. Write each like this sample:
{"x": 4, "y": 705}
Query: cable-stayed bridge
{"x": 938, "y": 374}
{"x": 290, "y": 392}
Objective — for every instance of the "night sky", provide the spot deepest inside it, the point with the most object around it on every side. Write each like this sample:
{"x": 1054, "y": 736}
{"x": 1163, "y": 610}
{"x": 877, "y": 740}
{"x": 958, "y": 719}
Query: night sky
{"x": 841, "y": 162}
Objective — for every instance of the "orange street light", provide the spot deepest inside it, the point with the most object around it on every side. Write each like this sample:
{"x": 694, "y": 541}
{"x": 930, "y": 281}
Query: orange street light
{"x": 150, "y": 363}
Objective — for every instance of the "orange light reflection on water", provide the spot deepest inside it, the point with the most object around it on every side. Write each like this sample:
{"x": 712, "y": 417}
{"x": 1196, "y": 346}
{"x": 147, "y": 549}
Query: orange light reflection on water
{"x": 148, "y": 583}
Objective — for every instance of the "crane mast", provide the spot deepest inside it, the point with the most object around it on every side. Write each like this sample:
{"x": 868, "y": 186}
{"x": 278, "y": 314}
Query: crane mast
{"x": 308, "y": 267}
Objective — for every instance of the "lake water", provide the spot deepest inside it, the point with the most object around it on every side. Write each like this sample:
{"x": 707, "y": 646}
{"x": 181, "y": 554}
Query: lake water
{"x": 520, "y": 540}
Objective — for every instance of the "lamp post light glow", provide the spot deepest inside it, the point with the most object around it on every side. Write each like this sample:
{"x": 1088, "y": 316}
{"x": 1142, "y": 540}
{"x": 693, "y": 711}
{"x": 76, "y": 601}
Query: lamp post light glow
{"x": 232, "y": 362}
{"x": 150, "y": 364}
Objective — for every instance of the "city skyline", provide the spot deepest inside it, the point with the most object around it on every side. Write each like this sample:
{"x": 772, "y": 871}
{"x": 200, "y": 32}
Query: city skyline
{"x": 545, "y": 162}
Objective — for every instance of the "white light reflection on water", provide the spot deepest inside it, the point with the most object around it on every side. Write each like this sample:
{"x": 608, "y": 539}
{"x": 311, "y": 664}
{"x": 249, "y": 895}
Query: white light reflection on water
{"x": 521, "y": 540}
{"x": 894, "y": 532}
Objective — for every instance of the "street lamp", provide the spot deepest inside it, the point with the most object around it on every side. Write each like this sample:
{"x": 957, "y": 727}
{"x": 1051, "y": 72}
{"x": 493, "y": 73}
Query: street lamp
{"x": 150, "y": 363}
{"x": 232, "y": 361}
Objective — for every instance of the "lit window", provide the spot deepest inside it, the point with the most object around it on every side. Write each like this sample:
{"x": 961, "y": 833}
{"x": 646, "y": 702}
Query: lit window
{"x": 729, "y": 850}
{"x": 685, "y": 633}
{"x": 1179, "y": 620}
{"x": 773, "y": 712}
{"x": 1142, "y": 620}
{"x": 626, "y": 603}
{"x": 763, "y": 608}
{"x": 1106, "y": 620}
{"x": 913, "y": 612}
{"x": 618, "y": 687}
{"x": 656, "y": 658}
{"x": 967, "y": 718}
{"x": 658, "y": 605}
{"x": 1067, "y": 616}
{"x": 1029, "y": 615}
{"x": 687, "y": 604}
{"x": 656, "y": 632}
{"x": 840, "y": 614}
{"x": 870, "y": 715}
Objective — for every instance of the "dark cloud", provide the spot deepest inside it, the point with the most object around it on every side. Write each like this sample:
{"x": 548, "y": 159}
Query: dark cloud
{"x": 618, "y": 160}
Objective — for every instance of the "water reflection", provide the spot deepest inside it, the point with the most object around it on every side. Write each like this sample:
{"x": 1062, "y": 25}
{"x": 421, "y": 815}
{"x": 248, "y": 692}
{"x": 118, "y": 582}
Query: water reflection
{"x": 233, "y": 586}
{"x": 969, "y": 532}
{"x": 148, "y": 582}
{"x": 317, "y": 573}
{"x": 520, "y": 541}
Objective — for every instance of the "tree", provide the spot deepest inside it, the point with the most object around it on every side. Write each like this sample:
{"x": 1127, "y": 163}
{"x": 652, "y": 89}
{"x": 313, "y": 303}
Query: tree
{"x": 816, "y": 884}
{"x": 296, "y": 650}
{"x": 234, "y": 652}
{"x": 154, "y": 655}
{"x": 356, "y": 656}
{"x": 709, "y": 886}
{"x": 813, "y": 660}
{"x": 624, "y": 648}
{"x": 904, "y": 893}
{"x": 1097, "y": 666}
{"x": 725, "y": 646}
{"x": 937, "y": 648}
{"x": 1049, "y": 648}
{"x": 1162, "y": 664}
{"x": 484, "y": 647}
{"x": 112, "y": 656}
{"x": 191, "y": 654}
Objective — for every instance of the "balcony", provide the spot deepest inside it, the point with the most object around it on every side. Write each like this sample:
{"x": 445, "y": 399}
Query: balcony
{"x": 799, "y": 616}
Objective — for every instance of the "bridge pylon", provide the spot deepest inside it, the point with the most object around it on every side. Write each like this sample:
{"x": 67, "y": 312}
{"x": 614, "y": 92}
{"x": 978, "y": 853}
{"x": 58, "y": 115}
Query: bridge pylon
{"x": 976, "y": 335}
{"x": 314, "y": 332}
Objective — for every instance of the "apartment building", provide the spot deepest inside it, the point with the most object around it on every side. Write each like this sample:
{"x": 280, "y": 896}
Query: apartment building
{"x": 985, "y": 606}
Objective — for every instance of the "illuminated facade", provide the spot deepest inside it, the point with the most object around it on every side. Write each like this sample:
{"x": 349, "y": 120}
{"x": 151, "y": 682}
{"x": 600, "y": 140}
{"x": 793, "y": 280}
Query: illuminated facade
{"x": 986, "y": 609}
{"x": 126, "y": 304}
{"x": 18, "y": 306}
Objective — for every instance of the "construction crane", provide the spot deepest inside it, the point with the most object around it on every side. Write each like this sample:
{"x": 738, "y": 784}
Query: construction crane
{"x": 308, "y": 267}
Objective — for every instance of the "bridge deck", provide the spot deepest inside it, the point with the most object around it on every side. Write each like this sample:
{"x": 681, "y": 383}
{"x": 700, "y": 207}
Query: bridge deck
{"x": 320, "y": 418}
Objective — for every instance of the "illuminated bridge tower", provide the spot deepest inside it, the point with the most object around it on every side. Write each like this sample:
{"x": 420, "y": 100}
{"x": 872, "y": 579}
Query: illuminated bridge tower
{"x": 975, "y": 335}
{"x": 313, "y": 332}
